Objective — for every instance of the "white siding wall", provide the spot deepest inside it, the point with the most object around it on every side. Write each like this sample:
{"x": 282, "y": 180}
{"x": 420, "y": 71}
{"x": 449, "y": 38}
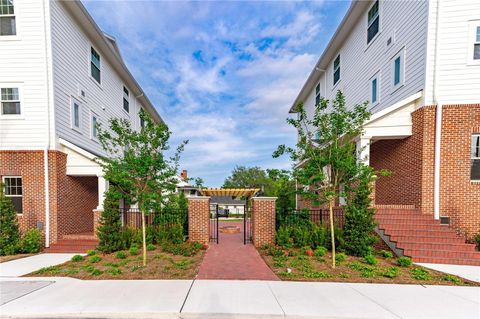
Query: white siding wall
{"x": 23, "y": 60}
{"x": 71, "y": 64}
{"x": 458, "y": 78}
{"x": 406, "y": 23}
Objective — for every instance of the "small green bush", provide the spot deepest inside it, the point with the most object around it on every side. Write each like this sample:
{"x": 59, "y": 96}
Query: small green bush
{"x": 114, "y": 271}
{"x": 151, "y": 247}
{"x": 134, "y": 251}
{"x": 451, "y": 278}
{"x": 77, "y": 258}
{"x": 96, "y": 272}
{"x": 320, "y": 251}
{"x": 94, "y": 259}
{"x": 390, "y": 272}
{"x": 340, "y": 257}
{"x": 317, "y": 274}
{"x": 120, "y": 255}
{"x": 404, "y": 262}
{"x": 370, "y": 260}
{"x": 386, "y": 254}
{"x": 283, "y": 238}
{"x": 91, "y": 252}
{"x": 420, "y": 274}
{"x": 31, "y": 241}
{"x": 9, "y": 229}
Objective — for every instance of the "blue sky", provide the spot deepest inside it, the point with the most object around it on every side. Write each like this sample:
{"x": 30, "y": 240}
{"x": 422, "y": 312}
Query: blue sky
{"x": 222, "y": 74}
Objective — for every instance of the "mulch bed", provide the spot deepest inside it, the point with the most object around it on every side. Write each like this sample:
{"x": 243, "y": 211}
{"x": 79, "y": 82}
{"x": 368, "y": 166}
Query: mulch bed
{"x": 4, "y": 259}
{"x": 302, "y": 267}
{"x": 160, "y": 265}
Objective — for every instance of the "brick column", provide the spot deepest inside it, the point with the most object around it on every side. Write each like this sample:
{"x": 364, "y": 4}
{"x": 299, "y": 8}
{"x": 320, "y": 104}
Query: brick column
{"x": 263, "y": 220}
{"x": 199, "y": 219}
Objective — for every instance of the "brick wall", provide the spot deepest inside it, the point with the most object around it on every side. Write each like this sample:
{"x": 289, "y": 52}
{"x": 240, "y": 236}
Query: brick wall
{"x": 263, "y": 220}
{"x": 199, "y": 219}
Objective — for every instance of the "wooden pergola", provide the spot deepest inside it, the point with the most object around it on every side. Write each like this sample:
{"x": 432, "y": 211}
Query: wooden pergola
{"x": 230, "y": 192}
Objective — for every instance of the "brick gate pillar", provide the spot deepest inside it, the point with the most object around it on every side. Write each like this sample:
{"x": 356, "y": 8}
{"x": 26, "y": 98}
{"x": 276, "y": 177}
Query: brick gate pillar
{"x": 199, "y": 219}
{"x": 263, "y": 220}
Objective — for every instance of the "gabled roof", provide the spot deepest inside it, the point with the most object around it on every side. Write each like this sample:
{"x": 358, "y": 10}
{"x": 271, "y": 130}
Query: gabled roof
{"x": 349, "y": 21}
{"x": 107, "y": 46}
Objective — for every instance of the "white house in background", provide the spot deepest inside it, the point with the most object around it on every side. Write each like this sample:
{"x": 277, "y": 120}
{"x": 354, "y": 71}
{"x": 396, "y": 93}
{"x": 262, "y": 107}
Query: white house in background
{"x": 59, "y": 76}
{"x": 417, "y": 63}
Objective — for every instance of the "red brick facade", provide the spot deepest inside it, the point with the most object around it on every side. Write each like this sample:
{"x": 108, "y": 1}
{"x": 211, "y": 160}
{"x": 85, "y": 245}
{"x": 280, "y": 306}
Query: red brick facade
{"x": 72, "y": 199}
{"x": 263, "y": 220}
{"x": 199, "y": 219}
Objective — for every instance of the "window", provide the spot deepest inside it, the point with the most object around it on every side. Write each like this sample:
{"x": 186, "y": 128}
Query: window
{"x": 475, "y": 156}
{"x": 126, "y": 100}
{"x": 373, "y": 22}
{"x": 76, "y": 114}
{"x": 398, "y": 65}
{"x": 317, "y": 94}
{"x": 476, "y": 45}
{"x": 336, "y": 70}
{"x": 142, "y": 122}
{"x": 94, "y": 127}
{"x": 374, "y": 93}
{"x": 10, "y": 100}
{"x": 13, "y": 190}
{"x": 94, "y": 65}
{"x": 7, "y": 18}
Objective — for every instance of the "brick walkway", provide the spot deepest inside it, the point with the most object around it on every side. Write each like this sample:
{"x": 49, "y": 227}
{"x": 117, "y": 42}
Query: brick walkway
{"x": 231, "y": 259}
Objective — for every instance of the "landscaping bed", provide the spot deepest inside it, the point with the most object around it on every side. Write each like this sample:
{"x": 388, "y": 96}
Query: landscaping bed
{"x": 163, "y": 262}
{"x": 297, "y": 264}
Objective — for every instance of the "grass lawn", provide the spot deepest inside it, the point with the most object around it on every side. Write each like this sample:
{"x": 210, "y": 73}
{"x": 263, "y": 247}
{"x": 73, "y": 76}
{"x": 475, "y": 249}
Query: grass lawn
{"x": 231, "y": 220}
{"x": 298, "y": 266}
{"x": 4, "y": 259}
{"x": 128, "y": 265}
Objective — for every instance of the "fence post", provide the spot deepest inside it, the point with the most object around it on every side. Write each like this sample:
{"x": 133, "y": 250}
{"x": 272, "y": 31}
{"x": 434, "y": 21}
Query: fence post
{"x": 263, "y": 220}
{"x": 199, "y": 219}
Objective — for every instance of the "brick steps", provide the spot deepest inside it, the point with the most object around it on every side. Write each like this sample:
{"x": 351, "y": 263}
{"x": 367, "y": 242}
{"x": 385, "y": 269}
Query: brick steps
{"x": 72, "y": 246}
{"x": 424, "y": 239}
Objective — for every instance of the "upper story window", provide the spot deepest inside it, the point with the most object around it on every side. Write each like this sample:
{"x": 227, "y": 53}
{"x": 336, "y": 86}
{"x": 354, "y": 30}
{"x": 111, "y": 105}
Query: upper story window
{"x": 374, "y": 90}
{"x": 476, "y": 44}
{"x": 10, "y": 100}
{"x": 7, "y": 18}
{"x": 76, "y": 114}
{"x": 317, "y": 94}
{"x": 336, "y": 70}
{"x": 14, "y": 191}
{"x": 126, "y": 100}
{"x": 373, "y": 22}
{"x": 95, "y": 65}
{"x": 142, "y": 122}
{"x": 94, "y": 124}
{"x": 475, "y": 156}
{"x": 398, "y": 66}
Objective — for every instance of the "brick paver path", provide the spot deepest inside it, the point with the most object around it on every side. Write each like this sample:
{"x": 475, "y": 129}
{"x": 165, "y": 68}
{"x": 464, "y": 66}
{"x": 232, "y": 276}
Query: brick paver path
{"x": 231, "y": 259}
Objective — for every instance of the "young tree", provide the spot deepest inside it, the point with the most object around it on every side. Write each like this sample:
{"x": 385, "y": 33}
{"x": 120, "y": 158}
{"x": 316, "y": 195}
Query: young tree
{"x": 9, "y": 230}
{"x": 137, "y": 166}
{"x": 325, "y": 153}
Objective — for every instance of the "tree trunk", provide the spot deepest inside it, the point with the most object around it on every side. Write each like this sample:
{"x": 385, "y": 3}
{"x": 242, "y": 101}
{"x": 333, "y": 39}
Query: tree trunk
{"x": 332, "y": 232}
{"x": 144, "y": 239}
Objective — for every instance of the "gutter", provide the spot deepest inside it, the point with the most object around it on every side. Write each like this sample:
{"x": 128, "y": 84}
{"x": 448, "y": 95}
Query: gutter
{"x": 438, "y": 124}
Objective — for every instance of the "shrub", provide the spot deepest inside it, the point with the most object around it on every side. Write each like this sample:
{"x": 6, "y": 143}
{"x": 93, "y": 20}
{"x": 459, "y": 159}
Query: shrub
{"x": 185, "y": 249}
{"x": 151, "y": 247}
{"x": 301, "y": 236}
{"x": 359, "y": 222}
{"x": 420, "y": 274}
{"x": 390, "y": 272}
{"x": 94, "y": 259}
{"x": 77, "y": 258}
{"x": 134, "y": 251}
{"x": 91, "y": 252}
{"x": 320, "y": 251}
{"x": 31, "y": 241}
{"x": 114, "y": 271}
{"x": 451, "y": 278}
{"x": 371, "y": 260}
{"x": 340, "y": 257}
{"x": 404, "y": 262}
{"x": 319, "y": 236}
{"x": 120, "y": 255}
{"x": 9, "y": 230}
{"x": 386, "y": 254}
{"x": 131, "y": 237}
{"x": 317, "y": 274}
{"x": 283, "y": 237}
{"x": 175, "y": 234}
{"x": 110, "y": 227}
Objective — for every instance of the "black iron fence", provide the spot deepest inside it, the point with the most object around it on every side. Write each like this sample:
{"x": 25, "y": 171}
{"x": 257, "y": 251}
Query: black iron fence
{"x": 132, "y": 218}
{"x": 318, "y": 216}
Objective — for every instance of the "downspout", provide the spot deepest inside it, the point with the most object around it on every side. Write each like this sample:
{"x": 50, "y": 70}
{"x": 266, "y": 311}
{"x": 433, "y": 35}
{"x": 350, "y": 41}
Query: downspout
{"x": 47, "y": 145}
{"x": 438, "y": 124}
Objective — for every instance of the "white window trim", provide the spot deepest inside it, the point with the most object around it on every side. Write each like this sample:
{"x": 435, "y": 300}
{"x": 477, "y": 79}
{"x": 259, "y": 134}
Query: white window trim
{"x": 380, "y": 14}
{"x": 92, "y": 115}
{"x": 319, "y": 94}
{"x": 80, "y": 109}
{"x": 129, "y": 100}
{"x": 3, "y": 182}
{"x": 370, "y": 82}
{"x": 90, "y": 66}
{"x": 471, "y": 157}
{"x": 402, "y": 55}
{"x": 472, "y": 34}
{"x": 333, "y": 71}
{"x": 16, "y": 14}
{"x": 20, "y": 116}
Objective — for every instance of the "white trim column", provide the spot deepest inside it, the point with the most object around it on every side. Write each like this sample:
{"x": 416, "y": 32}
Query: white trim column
{"x": 363, "y": 149}
{"x": 102, "y": 188}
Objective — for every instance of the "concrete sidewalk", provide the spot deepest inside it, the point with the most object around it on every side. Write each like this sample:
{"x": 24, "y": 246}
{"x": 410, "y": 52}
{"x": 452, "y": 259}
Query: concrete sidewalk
{"x": 67, "y": 297}
{"x": 23, "y": 266}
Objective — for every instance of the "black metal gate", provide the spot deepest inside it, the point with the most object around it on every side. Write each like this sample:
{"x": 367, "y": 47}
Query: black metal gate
{"x": 247, "y": 224}
{"x": 214, "y": 223}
